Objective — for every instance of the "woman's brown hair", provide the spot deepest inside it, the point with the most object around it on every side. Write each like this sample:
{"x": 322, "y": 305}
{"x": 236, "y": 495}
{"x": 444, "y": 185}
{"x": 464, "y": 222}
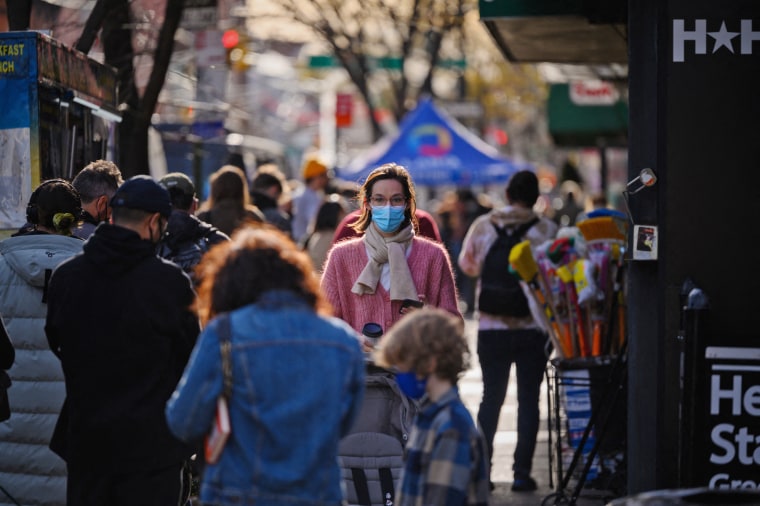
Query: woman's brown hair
{"x": 387, "y": 171}
{"x": 236, "y": 273}
{"x": 229, "y": 183}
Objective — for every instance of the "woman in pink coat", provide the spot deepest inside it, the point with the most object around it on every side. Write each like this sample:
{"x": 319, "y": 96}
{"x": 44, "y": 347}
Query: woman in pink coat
{"x": 368, "y": 278}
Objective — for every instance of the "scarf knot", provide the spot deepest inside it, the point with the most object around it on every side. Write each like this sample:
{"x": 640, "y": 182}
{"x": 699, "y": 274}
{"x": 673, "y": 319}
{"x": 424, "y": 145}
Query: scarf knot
{"x": 390, "y": 250}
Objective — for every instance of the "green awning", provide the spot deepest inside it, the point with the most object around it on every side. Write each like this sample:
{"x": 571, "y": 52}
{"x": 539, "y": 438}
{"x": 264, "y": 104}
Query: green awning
{"x": 577, "y": 124}
{"x": 522, "y": 8}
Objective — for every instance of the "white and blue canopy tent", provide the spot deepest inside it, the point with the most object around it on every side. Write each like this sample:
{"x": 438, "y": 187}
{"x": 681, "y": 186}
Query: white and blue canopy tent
{"x": 437, "y": 150}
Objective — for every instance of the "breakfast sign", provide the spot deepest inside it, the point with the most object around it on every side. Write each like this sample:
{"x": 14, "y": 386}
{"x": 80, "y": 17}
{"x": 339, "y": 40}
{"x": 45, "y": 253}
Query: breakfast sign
{"x": 46, "y": 91}
{"x": 32, "y": 56}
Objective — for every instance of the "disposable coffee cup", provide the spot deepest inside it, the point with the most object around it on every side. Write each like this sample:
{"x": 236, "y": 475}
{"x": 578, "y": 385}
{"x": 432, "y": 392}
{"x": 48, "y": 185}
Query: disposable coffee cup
{"x": 372, "y": 332}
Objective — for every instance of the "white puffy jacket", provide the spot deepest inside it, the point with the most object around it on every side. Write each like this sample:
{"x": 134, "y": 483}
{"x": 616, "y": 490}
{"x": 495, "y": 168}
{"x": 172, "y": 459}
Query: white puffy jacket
{"x": 29, "y": 471}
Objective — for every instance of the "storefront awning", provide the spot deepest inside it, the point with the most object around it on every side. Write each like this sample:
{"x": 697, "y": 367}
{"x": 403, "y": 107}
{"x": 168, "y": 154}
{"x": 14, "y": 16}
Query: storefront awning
{"x": 560, "y": 31}
{"x": 587, "y": 114}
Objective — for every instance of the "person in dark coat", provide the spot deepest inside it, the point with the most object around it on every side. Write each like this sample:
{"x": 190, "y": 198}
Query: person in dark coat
{"x": 123, "y": 358}
{"x": 187, "y": 238}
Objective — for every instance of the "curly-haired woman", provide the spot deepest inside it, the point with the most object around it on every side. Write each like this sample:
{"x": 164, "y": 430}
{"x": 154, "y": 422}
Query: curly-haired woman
{"x": 297, "y": 376}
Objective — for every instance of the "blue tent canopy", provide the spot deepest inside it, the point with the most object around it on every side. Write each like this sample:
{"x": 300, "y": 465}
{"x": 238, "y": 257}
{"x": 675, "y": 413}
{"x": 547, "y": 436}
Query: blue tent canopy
{"x": 437, "y": 150}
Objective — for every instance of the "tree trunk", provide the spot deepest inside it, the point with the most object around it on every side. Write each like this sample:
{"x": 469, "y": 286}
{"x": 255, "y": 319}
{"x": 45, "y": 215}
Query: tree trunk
{"x": 115, "y": 18}
{"x": 134, "y": 128}
{"x": 19, "y": 14}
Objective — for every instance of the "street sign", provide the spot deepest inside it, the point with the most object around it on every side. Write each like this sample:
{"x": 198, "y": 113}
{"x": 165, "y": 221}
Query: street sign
{"x": 199, "y": 14}
{"x": 209, "y": 50}
{"x": 326, "y": 61}
{"x": 344, "y": 105}
{"x": 730, "y": 441}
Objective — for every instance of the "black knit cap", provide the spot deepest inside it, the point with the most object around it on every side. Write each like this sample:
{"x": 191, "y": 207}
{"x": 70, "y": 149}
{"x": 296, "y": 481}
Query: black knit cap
{"x": 142, "y": 192}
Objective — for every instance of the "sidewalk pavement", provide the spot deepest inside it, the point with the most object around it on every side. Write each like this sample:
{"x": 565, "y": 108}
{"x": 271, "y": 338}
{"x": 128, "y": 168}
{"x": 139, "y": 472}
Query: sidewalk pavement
{"x": 470, "y": 387}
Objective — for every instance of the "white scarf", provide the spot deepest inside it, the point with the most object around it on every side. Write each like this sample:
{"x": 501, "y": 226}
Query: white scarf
{"x": 389, "y": 250}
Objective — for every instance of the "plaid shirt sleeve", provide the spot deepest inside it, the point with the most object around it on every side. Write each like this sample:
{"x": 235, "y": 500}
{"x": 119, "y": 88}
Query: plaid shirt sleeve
{"x": 447, "y": 462}
{"x": 456, "y": 473}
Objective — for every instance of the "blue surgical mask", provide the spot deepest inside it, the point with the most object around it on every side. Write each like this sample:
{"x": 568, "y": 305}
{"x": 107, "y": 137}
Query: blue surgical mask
{"x": 388, "y": 218}
{"x": 412, "y": 386}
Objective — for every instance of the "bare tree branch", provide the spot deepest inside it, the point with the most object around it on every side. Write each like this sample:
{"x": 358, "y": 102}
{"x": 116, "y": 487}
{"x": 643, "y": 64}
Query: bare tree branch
{"x": 92, "y": 26}
{"x": 363, "y": 35}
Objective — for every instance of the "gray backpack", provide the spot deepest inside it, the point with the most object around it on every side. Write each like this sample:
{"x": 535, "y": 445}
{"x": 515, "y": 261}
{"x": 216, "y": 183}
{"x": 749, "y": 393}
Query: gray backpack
{"x": 372, "y": 455}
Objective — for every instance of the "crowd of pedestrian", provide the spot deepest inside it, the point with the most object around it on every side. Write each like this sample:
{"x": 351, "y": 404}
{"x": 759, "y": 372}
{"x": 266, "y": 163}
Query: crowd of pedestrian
{"x": 139, "y": 318}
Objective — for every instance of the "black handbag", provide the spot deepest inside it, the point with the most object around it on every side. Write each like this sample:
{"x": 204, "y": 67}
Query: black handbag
{"x": 5, "y": 384}
{"x": 7, "y": 355}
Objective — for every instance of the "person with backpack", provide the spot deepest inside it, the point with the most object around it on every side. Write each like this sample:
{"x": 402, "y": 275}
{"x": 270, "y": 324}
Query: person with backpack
{"x": 187, "y": 238}
{"x": 445, "y": 458}
{"x": 508, "y": 333}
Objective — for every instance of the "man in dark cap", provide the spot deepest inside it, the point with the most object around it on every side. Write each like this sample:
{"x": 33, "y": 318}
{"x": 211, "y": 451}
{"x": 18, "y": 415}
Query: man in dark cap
{"x": 124, "y": 357}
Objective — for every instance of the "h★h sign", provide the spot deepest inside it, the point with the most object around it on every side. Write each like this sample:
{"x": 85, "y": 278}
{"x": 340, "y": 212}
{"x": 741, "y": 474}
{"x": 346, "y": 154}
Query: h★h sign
{"x": 722, "y": 37}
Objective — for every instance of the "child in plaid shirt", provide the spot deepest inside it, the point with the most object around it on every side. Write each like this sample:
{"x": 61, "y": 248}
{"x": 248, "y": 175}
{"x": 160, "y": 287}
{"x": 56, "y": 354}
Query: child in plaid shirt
{"x": 446, "y": 458}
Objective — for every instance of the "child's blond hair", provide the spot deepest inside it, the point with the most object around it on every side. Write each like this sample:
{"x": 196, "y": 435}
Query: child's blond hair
{"x": 422, "y": 335}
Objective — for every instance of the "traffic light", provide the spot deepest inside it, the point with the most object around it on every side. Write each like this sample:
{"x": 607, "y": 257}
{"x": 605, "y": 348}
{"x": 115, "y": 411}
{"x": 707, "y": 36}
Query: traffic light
{"x": 235, "y": 45}
{"x": 230, "y": 39}
{"x": 497, "y": 135}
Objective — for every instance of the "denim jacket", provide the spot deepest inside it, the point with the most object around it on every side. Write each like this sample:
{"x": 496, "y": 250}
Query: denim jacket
{"x": 298, "y": 382}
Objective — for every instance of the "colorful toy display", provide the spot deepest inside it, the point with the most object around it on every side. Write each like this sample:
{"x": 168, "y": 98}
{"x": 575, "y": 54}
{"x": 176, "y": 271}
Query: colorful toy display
{"x": 579, "y": 281}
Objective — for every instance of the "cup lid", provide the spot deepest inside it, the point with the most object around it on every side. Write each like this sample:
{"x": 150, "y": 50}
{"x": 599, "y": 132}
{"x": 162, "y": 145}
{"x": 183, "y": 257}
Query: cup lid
{"x": 372, "y": 329}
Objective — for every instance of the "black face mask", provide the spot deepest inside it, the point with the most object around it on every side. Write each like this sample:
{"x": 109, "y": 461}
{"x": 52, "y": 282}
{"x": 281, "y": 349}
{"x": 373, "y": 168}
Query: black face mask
{"x": 104, "y": 215}
{"x": 100, "y": 216}
{"x": 88, "y": 218}
{"x": 162, "y": 224}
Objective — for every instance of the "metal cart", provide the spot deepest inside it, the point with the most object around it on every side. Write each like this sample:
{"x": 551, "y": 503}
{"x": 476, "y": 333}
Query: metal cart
{"x": 587, "y": 419}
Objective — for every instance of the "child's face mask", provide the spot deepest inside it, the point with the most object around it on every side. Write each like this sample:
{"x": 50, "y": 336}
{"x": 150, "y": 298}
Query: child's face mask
{"x": 412, "y": 386}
